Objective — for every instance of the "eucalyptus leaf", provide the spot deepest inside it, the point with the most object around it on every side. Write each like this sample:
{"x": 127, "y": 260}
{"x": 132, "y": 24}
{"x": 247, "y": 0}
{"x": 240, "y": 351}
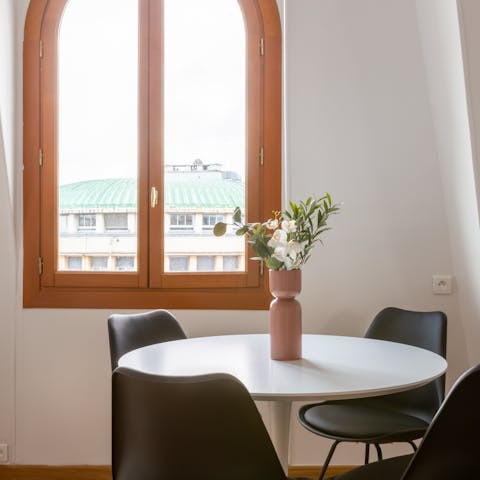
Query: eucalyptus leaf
{"x": 261, "y": 249}
{"x": 242, "y": 231}
{"x": 273, "y": 263}
{"x": 219, "y": 229}
{"x": 237, "y": 215}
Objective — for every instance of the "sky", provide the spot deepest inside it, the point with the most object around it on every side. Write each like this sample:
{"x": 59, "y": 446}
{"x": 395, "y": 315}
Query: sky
{"x": 98, "y": 85}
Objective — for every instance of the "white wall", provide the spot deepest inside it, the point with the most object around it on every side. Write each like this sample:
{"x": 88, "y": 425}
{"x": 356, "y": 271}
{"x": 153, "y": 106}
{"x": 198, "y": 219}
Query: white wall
{"x": 358, "y": 124}
{"x": 442, "y": 51}
{"x": 7, "y": 239}
{"x": 7, "y": 85}
{"x": 469, "y": 12}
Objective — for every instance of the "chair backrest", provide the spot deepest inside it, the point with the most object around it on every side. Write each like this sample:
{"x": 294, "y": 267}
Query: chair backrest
{"x": 178, "y": 428}
{"x": 450, "y": 446}
{"x": 426, "y": 330}
{"x": 128, "y": 332}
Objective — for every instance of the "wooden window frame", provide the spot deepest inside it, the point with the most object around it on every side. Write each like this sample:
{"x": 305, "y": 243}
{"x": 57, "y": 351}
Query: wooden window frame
{"x": 149, "y": 287}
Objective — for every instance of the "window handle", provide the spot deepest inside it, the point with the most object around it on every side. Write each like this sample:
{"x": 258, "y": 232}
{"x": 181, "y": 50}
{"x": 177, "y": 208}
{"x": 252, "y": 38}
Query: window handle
{"x": 153, "y": 197}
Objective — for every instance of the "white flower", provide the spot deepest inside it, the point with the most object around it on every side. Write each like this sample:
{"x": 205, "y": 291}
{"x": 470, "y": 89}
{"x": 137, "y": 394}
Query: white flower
{"x": 287, "y": 253}
{"x": 271, "y": 224}
{"x": 289, "y": 226}
{"x": 295, "y": 246}
{"x": 279, "y": 238}
{"x": 281, "y": 254}
{"x": 292, "y": 264}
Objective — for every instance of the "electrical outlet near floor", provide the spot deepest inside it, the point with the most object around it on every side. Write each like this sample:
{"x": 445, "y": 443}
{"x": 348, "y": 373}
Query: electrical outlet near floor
{"x": 3, "y": 452}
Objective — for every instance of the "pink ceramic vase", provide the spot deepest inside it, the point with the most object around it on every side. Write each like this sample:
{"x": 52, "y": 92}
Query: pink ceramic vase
{"x": 285, "y": 315}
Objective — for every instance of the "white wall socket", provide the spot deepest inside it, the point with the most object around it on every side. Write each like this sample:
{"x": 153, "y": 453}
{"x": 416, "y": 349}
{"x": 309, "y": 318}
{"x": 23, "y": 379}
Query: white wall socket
{"x": 3, "y": 452}
{"x": 442, "y": 284}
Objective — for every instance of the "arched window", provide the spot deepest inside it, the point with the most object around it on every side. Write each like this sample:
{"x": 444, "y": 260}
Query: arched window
{"x": 145, "y": 123}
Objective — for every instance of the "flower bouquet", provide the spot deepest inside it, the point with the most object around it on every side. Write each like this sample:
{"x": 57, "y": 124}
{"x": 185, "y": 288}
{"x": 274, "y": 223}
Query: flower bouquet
{"x": 285, "y": 242}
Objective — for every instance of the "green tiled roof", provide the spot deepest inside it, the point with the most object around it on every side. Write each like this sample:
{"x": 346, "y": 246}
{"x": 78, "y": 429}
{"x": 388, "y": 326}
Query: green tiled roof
{"x": 205, "y": 194}
{"x": 102, "y": 193}
{"x": 119, "y": 193}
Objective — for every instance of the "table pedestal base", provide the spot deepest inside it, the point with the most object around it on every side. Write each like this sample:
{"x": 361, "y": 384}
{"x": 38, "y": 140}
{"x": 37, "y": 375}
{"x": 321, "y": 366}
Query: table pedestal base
{"x": 280, "y": 429}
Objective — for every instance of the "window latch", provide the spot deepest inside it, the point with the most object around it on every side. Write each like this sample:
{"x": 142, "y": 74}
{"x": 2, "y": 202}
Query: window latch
{"x": 153, "y": 197}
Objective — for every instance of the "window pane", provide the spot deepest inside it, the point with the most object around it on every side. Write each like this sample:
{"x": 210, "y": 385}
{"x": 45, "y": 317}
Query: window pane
{"x": 181, "y": 222}
{"x": 99, "y": 263}
{"x": 74, "y": 263}
{"x": 204, "y": 132}
{"x": 97, "y": 130}
{"x": 125, "y": 264}
{"x": 116, "y": 221}
{"x": 178, "y": 264}
{"x": 209, "y": 221}
{"x": 230, "y": 263}
{"x": 87, "y": 222}
{"x": 206, "y": 263}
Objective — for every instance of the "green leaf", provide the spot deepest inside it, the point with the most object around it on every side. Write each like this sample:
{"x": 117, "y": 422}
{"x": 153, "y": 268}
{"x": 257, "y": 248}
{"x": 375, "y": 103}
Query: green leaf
{"x": 237, "y": 215}
{"x": 294, "y": 208}
{"x": 273, "y": 263}
{"x": 261, "y": 249}
{"x": 259, "y": 228}
{"x": 319, "y": 217}
{"x": 242, "y": 231}
{"x": 219, "y": 229}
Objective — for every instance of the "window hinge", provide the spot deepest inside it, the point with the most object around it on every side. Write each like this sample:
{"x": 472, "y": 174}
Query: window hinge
{"x": 262, "y": 46}
{"x": 40, "y": 157}
{"x": 261, "y": 268}
{"x": 262, "y": 156}
{"x": 41, "y": 49}
{"x": 40, "y": 265}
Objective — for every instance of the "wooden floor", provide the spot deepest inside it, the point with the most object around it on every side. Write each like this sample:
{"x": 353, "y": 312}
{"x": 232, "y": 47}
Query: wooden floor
{"x": 312, "y": 472}
{"x": 19, "y": 472}
{"x": 54, "y": 473}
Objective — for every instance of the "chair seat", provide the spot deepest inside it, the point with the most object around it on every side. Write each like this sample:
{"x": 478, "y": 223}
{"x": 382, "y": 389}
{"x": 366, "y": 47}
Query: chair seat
{"x": 361, "y": 422}
{"x": 391, "y": 469}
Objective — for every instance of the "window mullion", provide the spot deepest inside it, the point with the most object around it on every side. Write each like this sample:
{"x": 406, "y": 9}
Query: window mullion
{"x": 155, "y": 142}
{"x": 143, "y": 145}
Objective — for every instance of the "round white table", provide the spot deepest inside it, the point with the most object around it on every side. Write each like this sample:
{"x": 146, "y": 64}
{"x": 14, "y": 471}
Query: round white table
{"x": 331, "y": 367}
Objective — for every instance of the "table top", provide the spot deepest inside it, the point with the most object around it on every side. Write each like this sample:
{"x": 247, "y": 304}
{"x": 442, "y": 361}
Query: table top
{"x": 331, "y": 367}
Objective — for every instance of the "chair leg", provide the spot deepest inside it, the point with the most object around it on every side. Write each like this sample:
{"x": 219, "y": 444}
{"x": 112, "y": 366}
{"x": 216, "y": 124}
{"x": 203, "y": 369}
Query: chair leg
{"x": 367, "y": 453}
{"x": 327, "y": 460}
{"x": 413, "y": 446}
{"x": 379, "y": 451}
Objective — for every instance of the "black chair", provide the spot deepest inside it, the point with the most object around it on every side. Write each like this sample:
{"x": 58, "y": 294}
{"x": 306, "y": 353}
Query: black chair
{"x": 131, "y": 331}
{"x": 449, "y": 449}
{"x": 401, "y": 417}
{"x": 203, "y": 427}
